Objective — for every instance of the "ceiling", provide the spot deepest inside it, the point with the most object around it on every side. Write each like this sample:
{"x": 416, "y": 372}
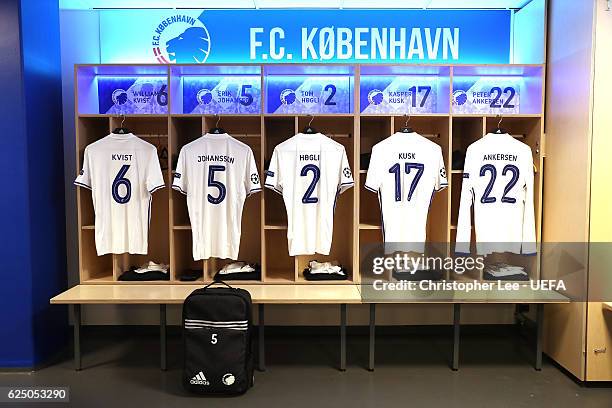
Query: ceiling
{"x": 267, "y": 4}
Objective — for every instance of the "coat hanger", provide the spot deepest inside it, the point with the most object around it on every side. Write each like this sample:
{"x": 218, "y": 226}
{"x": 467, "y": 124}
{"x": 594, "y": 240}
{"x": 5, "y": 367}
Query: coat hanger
{"x": 217, "y": 130}
{"x": 406, "y": 128}
{"x": 309, "y": 130}
{"x": 498, "y": 130}
{"x": 121, "y": 130}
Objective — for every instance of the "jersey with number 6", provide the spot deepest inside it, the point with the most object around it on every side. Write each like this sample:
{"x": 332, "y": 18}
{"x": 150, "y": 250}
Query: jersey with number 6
{"x": 498, "y": 183}
{"x": 217, "y": 173}
{"x": 309, "y": 171}
{"x": 122, "y": 171}
{"x": 405, "y": 170}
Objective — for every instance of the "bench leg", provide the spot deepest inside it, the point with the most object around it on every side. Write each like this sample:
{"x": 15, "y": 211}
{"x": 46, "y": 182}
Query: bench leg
{"x": 261, "y": 362}
{"x": 343, "y": 337}
{"x": 163, "y": 337}
{"x": 456, "y": 333}
{"x": 539, "y": 333}
{"x": 372, "y": 336}
{"x": 76, "y": 316}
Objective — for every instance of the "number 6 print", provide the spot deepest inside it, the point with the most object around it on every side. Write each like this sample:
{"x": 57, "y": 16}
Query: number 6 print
{"x": 121, "y": 180}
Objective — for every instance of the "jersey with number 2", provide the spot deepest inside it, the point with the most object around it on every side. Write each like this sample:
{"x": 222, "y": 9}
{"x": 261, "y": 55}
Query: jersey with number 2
{"x": 122, "y": 171}
{"x": 309, "y": 171}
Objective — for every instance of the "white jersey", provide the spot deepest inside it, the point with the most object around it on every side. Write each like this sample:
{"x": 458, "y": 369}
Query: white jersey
{"x": 122, "y": 171}
{"x": 216, "y": 172}
{"x": 309, "y": 171}
{"x": 498, "y": 182}
{"x": 405, "y": 170}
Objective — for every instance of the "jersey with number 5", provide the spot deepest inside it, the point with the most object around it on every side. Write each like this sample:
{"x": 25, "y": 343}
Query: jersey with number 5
{"x": 405, "y": 170}
{"x": 498, "y": 182}
{"x": 122, "y": 171}
{"x": 216, "y": 172}
{"x": 309, "y": 171}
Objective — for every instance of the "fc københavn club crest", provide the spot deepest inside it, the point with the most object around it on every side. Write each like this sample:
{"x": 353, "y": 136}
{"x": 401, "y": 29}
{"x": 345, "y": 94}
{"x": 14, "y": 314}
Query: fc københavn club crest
{"x": 181, "y": 39}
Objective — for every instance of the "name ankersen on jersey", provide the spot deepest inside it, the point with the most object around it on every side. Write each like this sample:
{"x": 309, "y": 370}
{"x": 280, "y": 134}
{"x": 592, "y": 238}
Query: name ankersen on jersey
{"x": 121, "y": 157}
{"x": 501, "y": 157}
{"x": 215, "y": 158}
{"x": 309, "y": 157}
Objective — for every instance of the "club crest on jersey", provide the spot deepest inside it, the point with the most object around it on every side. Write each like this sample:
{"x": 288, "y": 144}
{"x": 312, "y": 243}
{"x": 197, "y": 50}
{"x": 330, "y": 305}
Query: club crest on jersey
{"x": 181, "y": 39}
{"x": 443, "y": 172}
{"x": 254, "y": 178}
{"x": 81, "y": 172}
{"x": 347, "y": 172}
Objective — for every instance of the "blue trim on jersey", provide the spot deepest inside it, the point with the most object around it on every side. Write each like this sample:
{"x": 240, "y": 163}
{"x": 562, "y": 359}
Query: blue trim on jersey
{"x": 177, "y": 188}
{"x": 157, "y": 188}
{"x": 349, "y": 184}
{"x": 442, "y": 187}
{"x": 76, "y": 183}
{"x": 530, "y": 254}
{"x": 271, "y": 187}
{"x": 382, "y": 217}
{"x": 149, "y": 216}
{"x": 253, "y": 191}
{"x": 370, "y": 189}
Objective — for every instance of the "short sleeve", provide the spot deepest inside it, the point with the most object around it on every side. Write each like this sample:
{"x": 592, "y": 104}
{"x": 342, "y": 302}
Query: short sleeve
{"x": 373, "y": 179}
{"x": 179, "y": 181}
{"x": 346, "y": 176}
{"x": 441, "y": 180}
{"x": 84, "y": 177}
{"x": 251, "y": 179}
{"x": 273, "y": 177}
{"x": 155, "y": 179}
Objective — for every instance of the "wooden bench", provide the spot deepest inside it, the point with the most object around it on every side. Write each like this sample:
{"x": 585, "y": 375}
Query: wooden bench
{"x": 523, "y": 296}
{"x": 163, "y": 295}
{"x": 341, "y": 295}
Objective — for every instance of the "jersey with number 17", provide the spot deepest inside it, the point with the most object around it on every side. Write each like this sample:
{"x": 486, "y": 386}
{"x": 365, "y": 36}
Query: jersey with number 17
{"x": 309, "y": 171}
{"x": 122, "y": 171}
{"x": 406, "y": 169}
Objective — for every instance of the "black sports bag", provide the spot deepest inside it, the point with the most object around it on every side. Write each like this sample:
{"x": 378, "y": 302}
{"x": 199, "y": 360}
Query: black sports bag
{"x": 217, "y": 328}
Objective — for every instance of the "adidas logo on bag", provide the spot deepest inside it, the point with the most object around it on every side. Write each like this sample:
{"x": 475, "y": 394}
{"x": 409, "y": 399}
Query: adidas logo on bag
{"x": 199, "y": 379}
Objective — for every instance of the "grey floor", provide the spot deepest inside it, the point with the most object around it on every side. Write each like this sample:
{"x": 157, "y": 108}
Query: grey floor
{"x": 121, "y": 370}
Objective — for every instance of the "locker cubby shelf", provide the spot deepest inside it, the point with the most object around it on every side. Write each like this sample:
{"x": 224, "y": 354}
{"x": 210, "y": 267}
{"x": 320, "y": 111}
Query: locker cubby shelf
{"x": 357, "y": 219}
